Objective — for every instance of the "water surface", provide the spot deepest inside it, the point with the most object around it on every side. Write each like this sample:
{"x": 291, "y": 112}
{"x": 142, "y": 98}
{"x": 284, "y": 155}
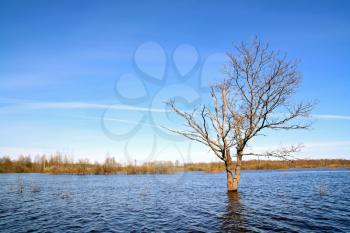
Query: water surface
{"x": 300, "y": 200}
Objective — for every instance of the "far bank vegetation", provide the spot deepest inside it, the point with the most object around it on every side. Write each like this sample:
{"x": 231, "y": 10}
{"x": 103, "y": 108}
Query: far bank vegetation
{"x": 62, "y": 164}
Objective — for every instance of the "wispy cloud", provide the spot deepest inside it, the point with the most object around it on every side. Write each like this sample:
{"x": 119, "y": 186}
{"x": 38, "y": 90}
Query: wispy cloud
{"x": 331, "y": 117}
{"x": 86, "y": 105}
{"x": 112, "y": 119}
{"x": 15, "y": 151}
{"x": 17, "y": 104}
{"x": 318, "y": 116}
{"x": 327, "y": 144}
{"x": 311, "y": 149}
{"x": 310, "y": 144}
{"x": 12, "y": 104}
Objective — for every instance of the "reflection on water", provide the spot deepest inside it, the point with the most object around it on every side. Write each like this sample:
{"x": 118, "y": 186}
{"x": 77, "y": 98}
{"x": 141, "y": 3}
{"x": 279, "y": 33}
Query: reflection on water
{"x": 268, "y": 201}
{"x": 233, "y": 218}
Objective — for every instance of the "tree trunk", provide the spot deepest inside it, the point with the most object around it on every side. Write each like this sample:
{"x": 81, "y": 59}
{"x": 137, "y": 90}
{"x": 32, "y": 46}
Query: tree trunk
{"x": 237, "y": 177}
{"x": 231, "y": 186}
{"x": 233, "y": 181}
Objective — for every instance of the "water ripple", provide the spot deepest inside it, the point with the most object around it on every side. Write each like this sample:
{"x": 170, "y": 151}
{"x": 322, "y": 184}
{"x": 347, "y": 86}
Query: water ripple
{"x": 277, "y": 201}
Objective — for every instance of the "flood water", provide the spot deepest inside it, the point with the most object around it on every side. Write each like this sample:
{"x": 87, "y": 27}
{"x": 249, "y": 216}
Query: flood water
{"x": 300, "y": 200}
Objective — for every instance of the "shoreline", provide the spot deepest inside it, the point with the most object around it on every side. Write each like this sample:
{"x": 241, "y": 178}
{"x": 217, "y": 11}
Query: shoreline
{"x": 14, "y": 167}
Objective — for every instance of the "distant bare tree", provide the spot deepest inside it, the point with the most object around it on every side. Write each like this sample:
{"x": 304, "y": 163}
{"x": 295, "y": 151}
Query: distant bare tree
{"x": 255, "y": 96}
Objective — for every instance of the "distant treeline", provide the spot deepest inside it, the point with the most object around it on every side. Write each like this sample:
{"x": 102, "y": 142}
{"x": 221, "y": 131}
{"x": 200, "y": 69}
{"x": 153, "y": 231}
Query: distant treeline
{"x": 62, "y": 164}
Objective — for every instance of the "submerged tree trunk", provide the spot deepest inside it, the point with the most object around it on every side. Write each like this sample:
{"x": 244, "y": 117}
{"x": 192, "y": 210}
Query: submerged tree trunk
{"x": 233, "y": 180}
{"x": 230, "y": 181}
{"x": 231, "y": 184}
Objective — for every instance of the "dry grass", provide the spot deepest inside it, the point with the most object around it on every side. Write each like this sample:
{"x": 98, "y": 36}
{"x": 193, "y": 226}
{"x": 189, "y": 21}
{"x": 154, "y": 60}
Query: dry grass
{"x": 58, "y": 164}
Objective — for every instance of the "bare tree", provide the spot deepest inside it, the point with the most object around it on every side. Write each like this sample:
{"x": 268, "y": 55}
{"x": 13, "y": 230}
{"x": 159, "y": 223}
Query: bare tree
{"x": 255, "y": 96}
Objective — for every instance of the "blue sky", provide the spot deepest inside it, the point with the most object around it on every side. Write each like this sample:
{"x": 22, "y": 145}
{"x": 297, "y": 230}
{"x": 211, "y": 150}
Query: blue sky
{"x": 78, "y": 76}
